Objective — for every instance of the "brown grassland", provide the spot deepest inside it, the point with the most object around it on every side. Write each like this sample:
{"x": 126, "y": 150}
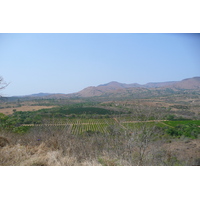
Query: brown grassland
{"x": 9, "y": 108}
{"x": 9, "y": 111}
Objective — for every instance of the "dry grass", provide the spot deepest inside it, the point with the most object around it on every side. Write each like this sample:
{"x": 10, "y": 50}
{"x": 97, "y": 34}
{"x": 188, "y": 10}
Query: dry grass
{"x": 45, "y": 146}
{"x": 41, "y": 155}
{"x": 9, "y": 111}
{"x": 187, "y": 150}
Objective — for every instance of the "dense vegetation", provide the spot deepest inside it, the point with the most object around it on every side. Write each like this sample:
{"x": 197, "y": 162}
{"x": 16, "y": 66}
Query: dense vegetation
{"x": 186, "y": 130}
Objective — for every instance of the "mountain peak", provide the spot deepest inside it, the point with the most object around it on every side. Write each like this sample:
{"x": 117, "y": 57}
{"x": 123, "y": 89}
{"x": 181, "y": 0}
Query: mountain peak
{"x": 110, "y": 83}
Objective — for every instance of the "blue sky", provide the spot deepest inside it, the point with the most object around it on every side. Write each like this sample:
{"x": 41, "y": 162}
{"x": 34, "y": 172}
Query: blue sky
{"x": 67, "y": 63}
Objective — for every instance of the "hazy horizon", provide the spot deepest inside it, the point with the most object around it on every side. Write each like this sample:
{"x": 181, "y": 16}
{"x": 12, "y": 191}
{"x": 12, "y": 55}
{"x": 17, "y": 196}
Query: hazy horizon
{"x": 42, "y": 92}
{"x": 68, "y": 63}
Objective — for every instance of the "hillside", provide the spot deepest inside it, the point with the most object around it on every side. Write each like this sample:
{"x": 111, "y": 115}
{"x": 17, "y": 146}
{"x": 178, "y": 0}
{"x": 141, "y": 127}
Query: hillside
{"x": 188, "y": 84}
{"x": 158, "y": 85}
{"x": 115, "y": 90}
{"x": 119, "y": 89}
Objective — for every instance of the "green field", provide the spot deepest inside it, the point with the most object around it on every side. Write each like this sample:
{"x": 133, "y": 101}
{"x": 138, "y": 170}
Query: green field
{"x": 185, "y": 122}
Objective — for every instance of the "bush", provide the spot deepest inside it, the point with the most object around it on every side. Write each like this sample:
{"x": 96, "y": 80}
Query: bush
{"x": 187, "y": 130}
{"x": 170, "y": 117}
{"x": 21, "y": 129}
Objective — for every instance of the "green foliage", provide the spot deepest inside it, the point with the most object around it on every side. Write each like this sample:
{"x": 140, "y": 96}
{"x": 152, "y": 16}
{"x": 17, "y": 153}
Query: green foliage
{"x": 21, "y": 129}
{"x": 189, "y": 130}
{"x": 84, "y": 110}
{"x": 3, "y": 117}
{"x": 107, "y": 161}
{"x": 170, "y": 117}
{"x": 15, "y": 121}
{"x": 184, "y": 122}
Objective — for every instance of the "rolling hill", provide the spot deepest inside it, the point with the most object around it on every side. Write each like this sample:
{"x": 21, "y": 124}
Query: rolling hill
{"x": 188, "y": 84}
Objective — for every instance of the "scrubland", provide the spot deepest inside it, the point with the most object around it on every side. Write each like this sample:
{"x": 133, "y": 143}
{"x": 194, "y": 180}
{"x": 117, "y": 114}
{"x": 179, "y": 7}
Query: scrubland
{"x": 44, "y": 146}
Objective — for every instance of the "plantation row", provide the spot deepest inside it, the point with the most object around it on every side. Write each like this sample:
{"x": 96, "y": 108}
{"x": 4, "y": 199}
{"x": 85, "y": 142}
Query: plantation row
{"x": 89, "y": 121}
{"x": 79, "y": 129}
{"x": 79, "y": 126}
{"x": 104, "y": 125}
{"x": 21, "y": 122}
{"x": 190, "y": 129}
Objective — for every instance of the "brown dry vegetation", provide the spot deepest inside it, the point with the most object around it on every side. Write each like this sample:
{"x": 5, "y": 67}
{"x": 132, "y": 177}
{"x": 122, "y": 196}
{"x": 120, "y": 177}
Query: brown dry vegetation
{"x": 45, "y": 146}
{"x": 185, "y": 107}
{"x": 9, "y": 111}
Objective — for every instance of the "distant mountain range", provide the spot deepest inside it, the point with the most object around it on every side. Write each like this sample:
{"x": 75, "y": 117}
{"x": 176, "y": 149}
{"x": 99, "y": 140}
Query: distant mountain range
{"x": 39, "y": 94}
{"x": 116, "y": 89}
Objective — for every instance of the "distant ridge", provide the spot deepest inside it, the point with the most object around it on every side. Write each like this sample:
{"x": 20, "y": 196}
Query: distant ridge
{"x": 116, "y": 89}
{"x": 157, "y": 85}
{"x": 189, "y": 83}
{"x": 40, "y": 94}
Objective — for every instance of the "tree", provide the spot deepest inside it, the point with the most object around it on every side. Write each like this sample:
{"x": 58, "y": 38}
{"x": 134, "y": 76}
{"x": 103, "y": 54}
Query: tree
{"x": 144, "y": 139}
{"x": 143, "y": 142}
{"x": 3, "y": 84}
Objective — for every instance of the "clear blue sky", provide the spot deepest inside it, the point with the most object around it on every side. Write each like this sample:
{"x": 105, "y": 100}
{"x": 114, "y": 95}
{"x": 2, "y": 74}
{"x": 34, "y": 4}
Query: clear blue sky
{"x": 67, "y": 63}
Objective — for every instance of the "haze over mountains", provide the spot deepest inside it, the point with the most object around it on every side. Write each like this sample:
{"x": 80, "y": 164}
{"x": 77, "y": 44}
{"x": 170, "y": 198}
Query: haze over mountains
{"x": 122, "y": 89}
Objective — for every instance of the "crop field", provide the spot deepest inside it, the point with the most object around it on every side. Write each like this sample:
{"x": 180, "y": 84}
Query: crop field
{"x": 83, "y": 121}
{"x": 89, "y": 118}
{"x": 91, "y": 121}
{"x": 82, "y": 125}
{"x": 79, "y": 129}
{"x": 185, "y": 122}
